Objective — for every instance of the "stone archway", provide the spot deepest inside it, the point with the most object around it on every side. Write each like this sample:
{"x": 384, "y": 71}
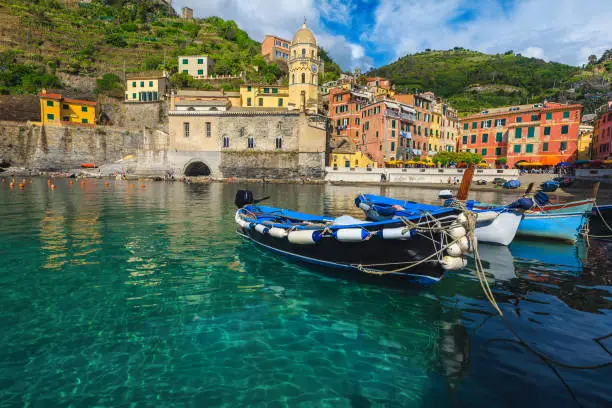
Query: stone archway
{"x": 197, "y": 168}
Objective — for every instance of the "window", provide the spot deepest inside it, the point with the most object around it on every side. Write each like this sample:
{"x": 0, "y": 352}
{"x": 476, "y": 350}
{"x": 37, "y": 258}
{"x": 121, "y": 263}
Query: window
{"x": 529, "y": 148}
{"x": 251, "y": 142}
{"x": 280, "y": 101}
{"x": 566, "y": 114}
{"x": 548, "y": 115}
{"x": 485, "y": 138}
{"x": 185, "y": 61}
{"x": 517, "y": 148}
{"x": 200, "y": 72}
{"x": 225, "y": 142}
{"x": 248, "y": 101}
{"x": 248, "y": 88}
{"x": 498, "y": 151}
{"x": 465, "y": 126}
{"x": 564, "y": 129}
{"x": 83, "y": 108}
{"x": 142, "y": 84}
{"x": 393, "y": 133}
{"x": 377, "y": 133}
{"x": 49, "y": 103}
{"x": 547, "y": 131}
{"x": 200, "y": 60}
{"x": 393, "y": 124}
{"x": 303, "y": 52}
{"x": 473, "y": 139}
{"x": 260, "y": 101}
{"x": 563, "y": 146}
{"x": 303, "y": 78}
{"x": 274, "y": 90}
{"x": 151, "y": 83}
{"x": 185, "y": 71}
{"x": 64, "y": 106}
{"x": 519, "y": 133}
{"x": 279, "y": 142}
{"x": 530, "y": 131}
{"x": 484, "y": 152}
{"x": 464, "y": 140}
{"x": 208, "y": 129}
{"x": 134, "y": 84}
{"x": 266, "y": 90}
{"x": 66, "y": 118}
{"x": 154, "y": 96}
{"x": 84, "y": 121}
{"x": 186, "y": 129}
{"x": 392, "y": 146}
{"x": 50, "y": 116}
{"x": 534, "y": 118}
{"x": 498, "y": 136}
{"x": 519, "y": 119}
{"x": 133, "y": 96}
{"x": 545, "y": 146}
{"x": 474, "y": 125}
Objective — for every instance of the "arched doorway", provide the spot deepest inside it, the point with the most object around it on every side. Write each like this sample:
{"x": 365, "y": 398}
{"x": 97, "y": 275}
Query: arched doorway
{"x": 197, "y": 168}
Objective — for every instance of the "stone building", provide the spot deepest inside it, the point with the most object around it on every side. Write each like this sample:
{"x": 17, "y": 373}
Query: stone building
{"x": 186, "y": 13}
{"x": 198, "y": 66}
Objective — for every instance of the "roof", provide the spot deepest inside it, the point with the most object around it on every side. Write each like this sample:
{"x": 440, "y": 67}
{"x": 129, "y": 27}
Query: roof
{"x": 79, "y": 101}
{"x": 146, "y": 75}
{"x": 304, "y": 36}
{"x": 277, "y": 37}
{"x": 589, "y": 117}
{"x": 203, "y": 103}
{"x": 522, "y": 108}
{"x": 69, "y": 96}
{"x": 197, "y": 92}
{"x": 343, "y": 146}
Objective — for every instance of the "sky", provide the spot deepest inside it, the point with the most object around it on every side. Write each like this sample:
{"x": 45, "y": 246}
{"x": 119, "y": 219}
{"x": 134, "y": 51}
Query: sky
{"x": 372, "y": 33}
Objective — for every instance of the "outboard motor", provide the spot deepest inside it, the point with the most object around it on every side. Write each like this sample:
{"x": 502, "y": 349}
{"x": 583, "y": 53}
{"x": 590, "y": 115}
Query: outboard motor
{"x": 523, "y": 203}
{"x": 541, "y": 198}
{"x": 244, "y": 197}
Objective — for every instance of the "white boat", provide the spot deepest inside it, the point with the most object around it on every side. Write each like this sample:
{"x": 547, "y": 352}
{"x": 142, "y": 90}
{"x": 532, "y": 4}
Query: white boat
{"x": 497, "y": 227}
{"x": 445, "y": 194}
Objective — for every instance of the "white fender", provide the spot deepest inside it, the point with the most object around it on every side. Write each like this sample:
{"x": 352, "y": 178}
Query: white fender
{"x": 465, "y": 245}
{"x": 304, "y": 237}
{"x": 486, "y": 216}
{"x": 457, "y": 231}
{"x": 364, "y": 206}
{"x": 351, "y": 234}
{"x": 462, "y": 219}
{"x": 244, "y": 224}
{"x": 452, "y": 262}
{"x": 454, "y": 250}
{"x": 262, "y": 229}
{"x": 277, "y": 232}
{"x": 396, "y": 233}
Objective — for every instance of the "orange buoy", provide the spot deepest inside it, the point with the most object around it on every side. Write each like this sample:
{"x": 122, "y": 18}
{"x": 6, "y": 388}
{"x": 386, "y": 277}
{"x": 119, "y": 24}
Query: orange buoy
{"x": 11, "y": 185}
{"x": 30, "y": 181}
{"x": 142, "y": 186}
{"x": 23, "y": 181}
{"x": 52, "y": 186}
{"x": 21, "y": 185}
{"x": 70, "y": 182}
{"x": 83, "y": 183}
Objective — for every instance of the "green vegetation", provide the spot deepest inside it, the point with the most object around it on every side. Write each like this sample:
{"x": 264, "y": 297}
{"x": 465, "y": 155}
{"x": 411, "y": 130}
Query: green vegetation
{"x": 108, "y": 36}
{"x": 109, "y": 84}
{"x": 471, "y": 80}
{"x": 332, "y": 70}
{"x": 17, "y": 78}
{"x": 444, "y": 158}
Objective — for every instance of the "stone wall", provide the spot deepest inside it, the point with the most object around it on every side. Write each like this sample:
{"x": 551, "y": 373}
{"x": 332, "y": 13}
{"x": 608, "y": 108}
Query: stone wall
{"x": 134, "y": 115}
{"x": 17, "y": 143}
{"x": 414, "y": 176}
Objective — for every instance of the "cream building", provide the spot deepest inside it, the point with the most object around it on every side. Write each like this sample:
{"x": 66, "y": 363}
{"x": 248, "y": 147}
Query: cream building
{"x": 198, "y": 66}
{"x": 145, "y": 87}
{"x": 304, "y": 66}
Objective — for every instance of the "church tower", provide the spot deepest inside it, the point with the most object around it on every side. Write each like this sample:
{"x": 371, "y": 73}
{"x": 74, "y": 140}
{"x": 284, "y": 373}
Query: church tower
{"x": 304, "y": 65}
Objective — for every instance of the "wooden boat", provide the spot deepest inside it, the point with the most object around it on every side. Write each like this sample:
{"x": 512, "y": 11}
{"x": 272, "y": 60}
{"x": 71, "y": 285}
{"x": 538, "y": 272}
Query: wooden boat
{"x": 600, "y": 222}
{"x": 88, "y": 165}
{"x": 418, "y": 249}
{"x": 496, "y": 225}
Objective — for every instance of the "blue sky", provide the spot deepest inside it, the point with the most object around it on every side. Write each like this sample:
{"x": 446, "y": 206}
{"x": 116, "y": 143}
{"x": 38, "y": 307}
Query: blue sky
{"x": 372, "y": 33}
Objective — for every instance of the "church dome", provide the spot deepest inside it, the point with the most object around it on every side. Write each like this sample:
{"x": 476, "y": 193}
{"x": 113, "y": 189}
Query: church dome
{"x": 304, "y": 35}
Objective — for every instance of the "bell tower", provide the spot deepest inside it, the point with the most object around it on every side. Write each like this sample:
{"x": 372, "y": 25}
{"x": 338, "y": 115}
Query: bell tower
{"x": 304, "y": 66}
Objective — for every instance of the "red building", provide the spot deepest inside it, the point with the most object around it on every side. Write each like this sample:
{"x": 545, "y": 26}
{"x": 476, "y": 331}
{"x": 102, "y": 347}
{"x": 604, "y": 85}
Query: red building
{"x": 275, "y": 48}
{"x": 378, "y": 82}
{"x": 602, "y": 133}
{"x": 545, "y": 133}
{"x": 345, "y": 112}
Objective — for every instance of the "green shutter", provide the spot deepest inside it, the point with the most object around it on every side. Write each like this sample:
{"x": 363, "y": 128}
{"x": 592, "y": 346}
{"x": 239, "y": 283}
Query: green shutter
{"x": 249, "y": 88}
{"x": 547, "y": 131}
{"x": 266, "y": 90}
{"x": 485, "y": 138}
{"x": 49, "y": 103}
{"x": 185, "y": 71}
{"x": 498, "y": 137}
{"x": 473, "y": 139}
{"x": 142, "y": 84}
{"x": 200, "y": 61}
{"x": 519, "y": 133}
{"x": 83, "y": 108}
{"x": 84, "y": 121}
{"x": 530, "y": 131}
{"x": 393, "y": 133}
{"x": 534, "y": 118}
{"x": 564, "y": 130}
{"x": 484, "y": 152}
{"x": 465, "y": 126}
{"x": 185, "y": 62}
{"x": 134, "y": 84}
{"x": 274, "y": 90}
{"x": 548, "y": 115}
{"x": 393, "y": 124}
{"x": 50, "y": 116}
{"x": 392, "y": 146}
{"x": 464, "y": 140}
{"x": 200, "y": 72}
{"x": 519, "y": 119}
{"x": 566, "y": 114}
{"x": 151, "y": 83}
{"x": 133, "y": 96}
{"x": 498, "y": 151}
{"x": 474, "y": 125}
{"x": 280, "y": 101}
{"x": 529, "y": 148}
{"x": 517, "y": 148}
{"x": 563, "y": 146}
{"x": 545, "y": 146}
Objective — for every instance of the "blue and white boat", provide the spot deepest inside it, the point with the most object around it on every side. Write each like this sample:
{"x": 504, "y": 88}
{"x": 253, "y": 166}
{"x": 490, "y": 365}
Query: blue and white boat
{"x": 496, "y": 225}
{"x": 417, "y": 248}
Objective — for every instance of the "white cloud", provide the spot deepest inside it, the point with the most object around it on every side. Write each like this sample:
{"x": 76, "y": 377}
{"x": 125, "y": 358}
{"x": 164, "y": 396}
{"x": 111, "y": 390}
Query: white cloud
{"x": 283, "y": 18}
{"x": 561, "y": 30}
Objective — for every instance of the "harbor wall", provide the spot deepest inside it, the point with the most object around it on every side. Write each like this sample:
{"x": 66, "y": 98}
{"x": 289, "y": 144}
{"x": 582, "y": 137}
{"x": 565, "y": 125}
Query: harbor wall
{"x": 603, "y": 175}
{"x": 414, "y": 176}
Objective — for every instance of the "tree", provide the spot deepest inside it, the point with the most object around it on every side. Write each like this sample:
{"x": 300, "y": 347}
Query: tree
{"x": 109, "y": 84}
{"x": 592, "y": 59}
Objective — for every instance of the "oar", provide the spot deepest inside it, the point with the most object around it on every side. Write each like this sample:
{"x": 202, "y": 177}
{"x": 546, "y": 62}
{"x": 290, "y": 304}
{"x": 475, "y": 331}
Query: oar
{"x": 529, "y": 188}
{"x": 464, "y": 188}
{"x": 595, "y": 189}
{"x": 260, "y": 200}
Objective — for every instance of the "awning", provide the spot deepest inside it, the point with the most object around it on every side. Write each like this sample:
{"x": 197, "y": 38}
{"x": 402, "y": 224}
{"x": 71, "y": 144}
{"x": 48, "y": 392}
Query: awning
{"x": 406, "y": 135}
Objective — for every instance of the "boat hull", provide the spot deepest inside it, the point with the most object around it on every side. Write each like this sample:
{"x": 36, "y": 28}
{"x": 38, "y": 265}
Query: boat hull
{"x": 556, "y": 226}
{"x": 600, "y": 216}
{"x": 348, "y": 256}
{"x": 501, "y": 230}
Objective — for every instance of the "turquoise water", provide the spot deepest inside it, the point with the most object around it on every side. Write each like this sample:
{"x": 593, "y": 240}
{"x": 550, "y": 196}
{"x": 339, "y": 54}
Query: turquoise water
{"x": 118, "y": 296}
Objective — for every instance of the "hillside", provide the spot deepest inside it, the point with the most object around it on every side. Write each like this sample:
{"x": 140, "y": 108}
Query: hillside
{"x": 43, "y": 40}
{"x": 471, "y": 80}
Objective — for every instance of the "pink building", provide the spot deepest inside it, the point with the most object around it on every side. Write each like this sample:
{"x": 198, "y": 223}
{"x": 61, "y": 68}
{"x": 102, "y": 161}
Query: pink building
{"x": 602, "y": 133}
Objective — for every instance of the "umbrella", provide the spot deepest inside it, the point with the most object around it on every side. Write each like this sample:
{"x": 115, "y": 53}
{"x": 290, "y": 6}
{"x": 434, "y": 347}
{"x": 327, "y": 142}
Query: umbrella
{"x": 483, "y": 164}
{"x": 564, "y": 164}
{"x": 523, "y": 163}
{"x": 582, "y": 161}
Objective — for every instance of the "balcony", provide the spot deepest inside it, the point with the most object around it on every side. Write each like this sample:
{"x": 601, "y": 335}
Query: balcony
{"x": 400, "y": 115}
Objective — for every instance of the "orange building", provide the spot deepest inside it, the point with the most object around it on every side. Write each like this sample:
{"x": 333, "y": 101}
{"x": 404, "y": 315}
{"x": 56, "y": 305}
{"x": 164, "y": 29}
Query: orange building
{"x": 345, "y": 112}
{"x": 275, "y": 48}
{"x": 423, "y": 106}
{"x": 602, "y": 133}
{"x": 545, "y": 134}
{"x": 378, "y": 82}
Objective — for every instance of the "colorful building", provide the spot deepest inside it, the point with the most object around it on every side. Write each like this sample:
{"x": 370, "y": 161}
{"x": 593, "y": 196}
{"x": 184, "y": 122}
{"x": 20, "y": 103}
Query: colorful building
{"x": 275, "y": 48}
{"x": 57, "y": 110}
{"x": 304, "y": 67}
{"x": 602, "y": 133}
{"x": 195, "y": 97}
{"x": 145, "y": 87}
{"x": 422, "y": 132}
{"x": 345, "y": 112}
{"x": 264, "y": 96}
{"x": 585, "y": 142}
{"x": 386, "y": 131}
{"x": 378, "y": 82}
{"x": 198, "y": 66}
{"x": 344, "y": 154}
{"x": 545, "y": 134}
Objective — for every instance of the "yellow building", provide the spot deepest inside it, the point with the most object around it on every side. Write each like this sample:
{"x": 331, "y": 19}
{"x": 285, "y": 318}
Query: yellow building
{"x": 434, "y": 140}
{"x": 264, "y": 96}
{"x": 585, "y": 138}
{"x": 57, "y": 110}
{"x": 304, "y": 66}
{"x": 145, "y": 87}
{"x": 344, "y": 154}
